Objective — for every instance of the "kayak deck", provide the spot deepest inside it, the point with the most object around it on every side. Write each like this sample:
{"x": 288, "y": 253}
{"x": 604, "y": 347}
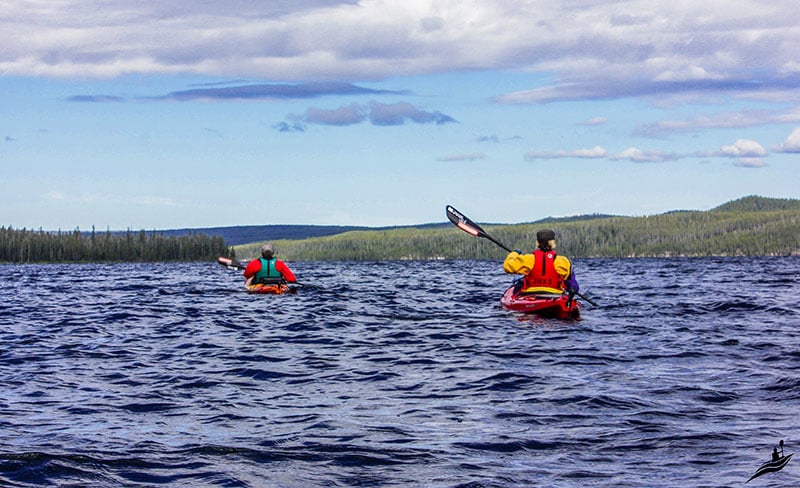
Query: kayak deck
{"x": 266, "y": 289}
{"x": 543, "y": 304}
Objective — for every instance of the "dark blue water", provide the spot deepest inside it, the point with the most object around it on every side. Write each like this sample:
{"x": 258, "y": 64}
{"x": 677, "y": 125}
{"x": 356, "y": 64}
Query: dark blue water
{"x": 398, "y": 374}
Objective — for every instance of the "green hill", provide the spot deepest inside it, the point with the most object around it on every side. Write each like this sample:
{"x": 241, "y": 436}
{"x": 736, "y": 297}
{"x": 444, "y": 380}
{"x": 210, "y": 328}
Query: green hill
{"x": 755, "y": 203}
{"x": 751, "y": 226}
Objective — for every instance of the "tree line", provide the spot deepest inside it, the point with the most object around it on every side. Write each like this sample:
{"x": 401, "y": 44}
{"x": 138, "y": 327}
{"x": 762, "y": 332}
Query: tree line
{"x": 686, "y": 233}
{"x": 26, "y": 246}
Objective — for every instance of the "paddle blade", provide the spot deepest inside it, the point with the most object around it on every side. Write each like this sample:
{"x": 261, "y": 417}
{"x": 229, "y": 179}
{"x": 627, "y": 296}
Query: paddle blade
{"x": 462, "y": 222}
{"x": 229, "y": 263}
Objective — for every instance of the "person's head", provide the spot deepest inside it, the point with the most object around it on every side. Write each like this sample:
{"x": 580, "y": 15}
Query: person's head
{"x": 267, "y": 251}
{"x": 546, "y": 239}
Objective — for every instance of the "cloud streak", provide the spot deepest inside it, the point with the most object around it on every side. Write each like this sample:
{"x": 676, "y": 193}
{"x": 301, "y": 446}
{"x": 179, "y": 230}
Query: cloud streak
{"x": 593, "y": 153}
{"x": 726, "y": 120}
{"x": 478, "y": 156}
{"x": 746, "y": 152}
{"x": 792, "y": 143}
{"x": 654, "y": 48}
{"x": 112, "y": 199}
{"x": 264, "y": 91}
{"x": 275, "y": 91}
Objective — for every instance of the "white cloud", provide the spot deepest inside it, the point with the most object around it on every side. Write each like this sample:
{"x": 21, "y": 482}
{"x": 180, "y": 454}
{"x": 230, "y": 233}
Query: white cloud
{"x": 792, "y": 143}
{"x": 748, "y": 153}
{"x": 726, "y": 120}
{"x": 657, "y": 47}
{"x": 593, "y": 153}
{"x": 742, "y": 148}
{"x": 636, "y": 155}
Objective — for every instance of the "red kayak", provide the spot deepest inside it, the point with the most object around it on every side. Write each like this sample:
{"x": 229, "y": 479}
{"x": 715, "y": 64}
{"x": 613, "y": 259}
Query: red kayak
{"x": 544, "y": 304}
{"x": 266, "y": 289}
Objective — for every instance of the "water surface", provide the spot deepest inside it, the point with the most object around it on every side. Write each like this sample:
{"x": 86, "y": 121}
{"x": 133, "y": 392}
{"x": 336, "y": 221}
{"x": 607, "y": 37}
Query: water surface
{"x": 397, "y": 374}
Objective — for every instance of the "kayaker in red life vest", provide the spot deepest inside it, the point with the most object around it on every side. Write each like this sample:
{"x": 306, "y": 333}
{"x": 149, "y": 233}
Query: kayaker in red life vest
{"x": 267, "y": 268}
{"x": 544, "y": 270}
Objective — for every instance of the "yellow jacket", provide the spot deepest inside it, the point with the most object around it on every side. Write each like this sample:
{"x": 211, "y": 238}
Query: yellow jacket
{"x": 516, "y": 263}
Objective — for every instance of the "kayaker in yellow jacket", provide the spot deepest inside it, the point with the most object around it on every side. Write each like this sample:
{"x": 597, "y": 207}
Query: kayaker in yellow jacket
{"x": 544, "y": 270}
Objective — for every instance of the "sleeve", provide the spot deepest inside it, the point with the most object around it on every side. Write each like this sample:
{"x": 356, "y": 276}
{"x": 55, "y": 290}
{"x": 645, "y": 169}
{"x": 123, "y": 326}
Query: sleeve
{"x": 285, "y": 271}
{"x": 517, "y": 263}
{"x": 564, "y": 268}
{"x": 252, "y": 268}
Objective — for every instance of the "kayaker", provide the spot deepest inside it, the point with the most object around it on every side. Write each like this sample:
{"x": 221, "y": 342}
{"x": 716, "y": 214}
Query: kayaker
{"x": 267, "y": 268}
{"x": 544, "y": 270}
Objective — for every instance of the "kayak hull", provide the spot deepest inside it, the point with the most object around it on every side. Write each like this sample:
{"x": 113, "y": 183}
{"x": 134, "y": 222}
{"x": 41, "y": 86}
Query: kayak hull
{"x": 261, "y": 289}
{"x": 545, "y": 305}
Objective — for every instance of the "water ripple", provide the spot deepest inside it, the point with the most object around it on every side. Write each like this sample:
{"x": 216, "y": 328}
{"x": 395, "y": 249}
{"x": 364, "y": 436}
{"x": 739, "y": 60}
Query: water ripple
{"x": 396, "y": 374}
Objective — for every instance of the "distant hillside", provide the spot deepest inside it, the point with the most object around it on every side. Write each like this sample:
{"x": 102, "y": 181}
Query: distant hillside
{"x": 573, "y": 218}
{"x": 248, "y": 234}
{"x": 754, "y": 203}
{"x": 245, "y": 234}
{"x": 752, "y": 226}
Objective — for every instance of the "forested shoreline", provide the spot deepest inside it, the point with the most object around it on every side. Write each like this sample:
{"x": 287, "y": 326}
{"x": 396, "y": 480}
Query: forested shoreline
{"x": 752, "y": 226}
{"x": 35, "y": 246}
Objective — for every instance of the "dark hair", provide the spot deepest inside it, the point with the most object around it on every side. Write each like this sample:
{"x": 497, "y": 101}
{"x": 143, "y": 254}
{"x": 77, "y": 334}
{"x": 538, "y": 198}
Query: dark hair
{"x": 543, "y": 238}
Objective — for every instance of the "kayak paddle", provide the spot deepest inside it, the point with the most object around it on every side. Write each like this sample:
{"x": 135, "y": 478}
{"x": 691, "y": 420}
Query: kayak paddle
{"x": 230, "y": 263}
{"x": 464, "y": 223}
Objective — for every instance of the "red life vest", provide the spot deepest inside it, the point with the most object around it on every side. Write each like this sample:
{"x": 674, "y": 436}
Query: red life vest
{"x": 544, "y": 274}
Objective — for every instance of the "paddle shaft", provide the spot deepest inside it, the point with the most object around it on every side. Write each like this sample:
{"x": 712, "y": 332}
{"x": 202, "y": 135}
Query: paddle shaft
{"x": 464, "y": 223}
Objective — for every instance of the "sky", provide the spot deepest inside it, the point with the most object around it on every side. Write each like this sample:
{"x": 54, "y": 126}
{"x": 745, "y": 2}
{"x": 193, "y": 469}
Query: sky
{"x": 123, "y": 114}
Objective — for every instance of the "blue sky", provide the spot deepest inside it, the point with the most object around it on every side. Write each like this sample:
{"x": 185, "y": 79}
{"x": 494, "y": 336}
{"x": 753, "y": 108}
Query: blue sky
{"x": 194, "y": 113}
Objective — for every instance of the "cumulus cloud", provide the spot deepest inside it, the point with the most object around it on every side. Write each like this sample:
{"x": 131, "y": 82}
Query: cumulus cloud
{"x": 792, "y": 143}
{"x": 742, "y": 148}
{"x": 748, "y": 153}
{"x": 656, "y": 48}
{"x": 593, "y": 153}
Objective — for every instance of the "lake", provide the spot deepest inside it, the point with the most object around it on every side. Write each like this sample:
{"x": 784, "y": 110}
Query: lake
{"x": 686, "y": 373}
